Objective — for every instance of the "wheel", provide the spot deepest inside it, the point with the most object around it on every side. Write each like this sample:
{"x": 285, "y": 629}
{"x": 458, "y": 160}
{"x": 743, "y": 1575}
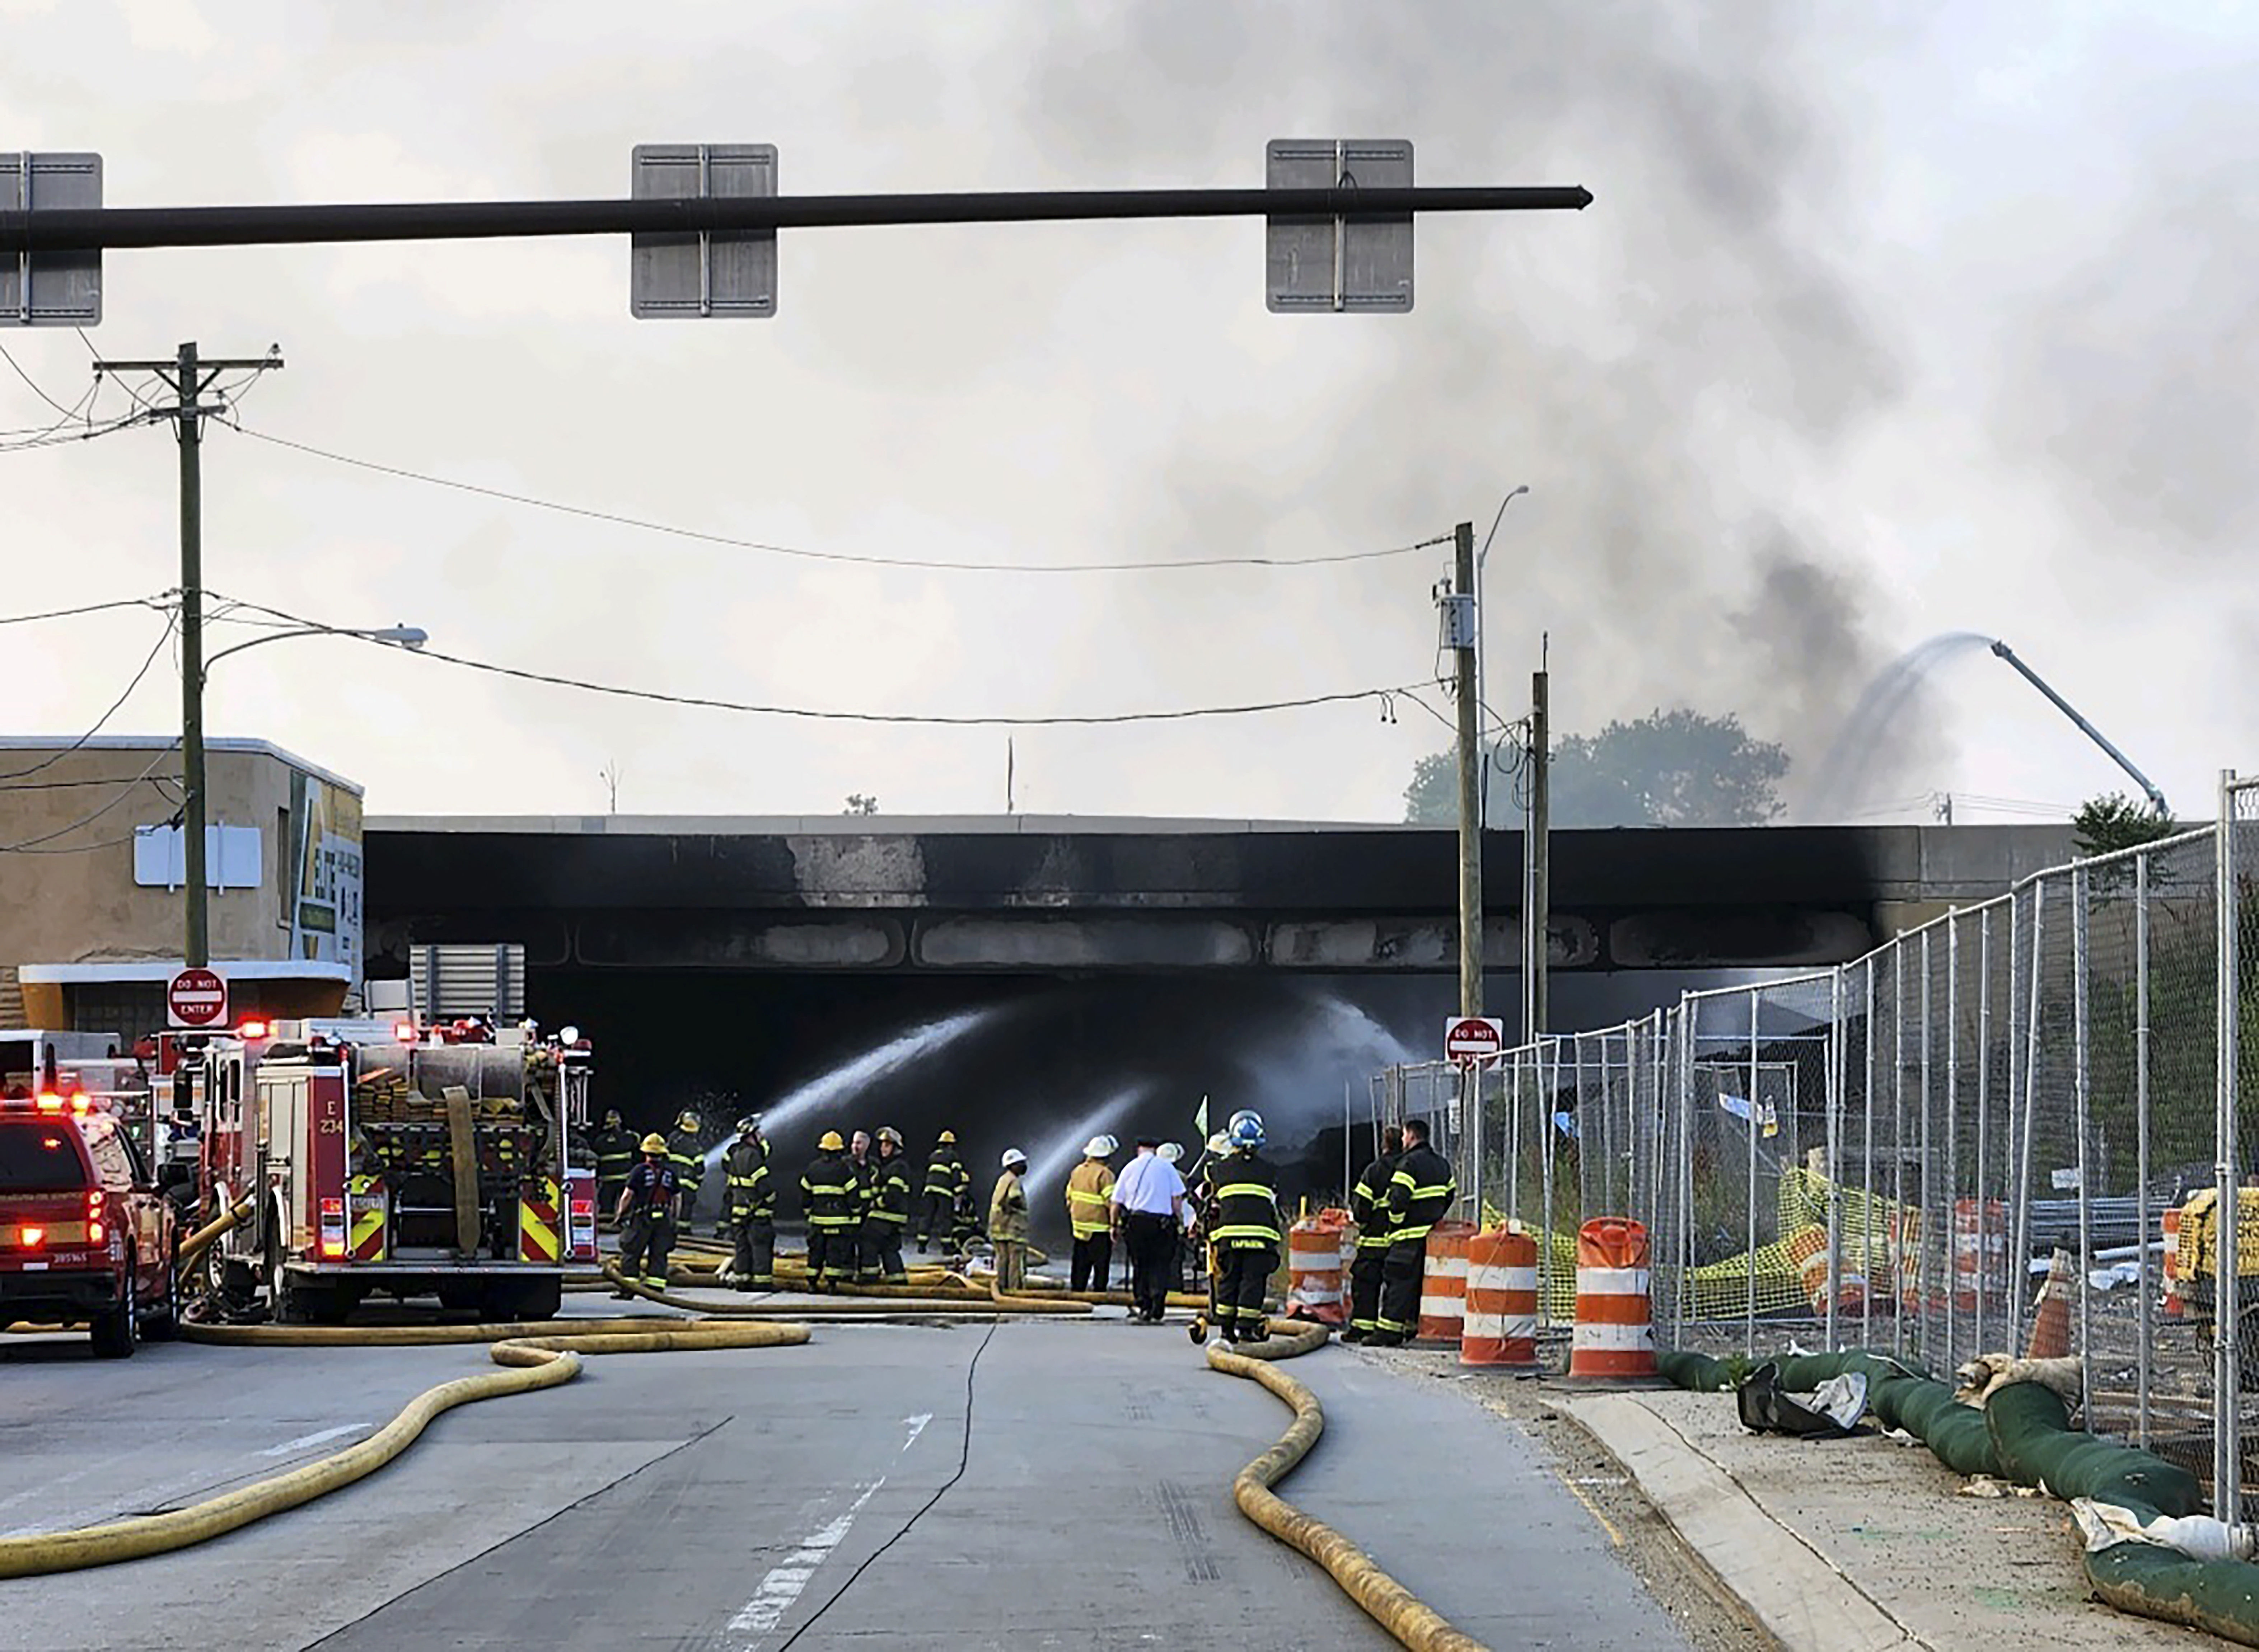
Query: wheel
{"x": 117, "y": 1333}
{"x": 164, "y": 1321}
{"x": 286, "y": 1305}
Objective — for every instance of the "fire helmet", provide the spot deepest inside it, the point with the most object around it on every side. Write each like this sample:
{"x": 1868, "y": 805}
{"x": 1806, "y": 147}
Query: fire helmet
{"x": 1101, "y": 1147}
{"x": 1246, "y": 1131}
{"x": 1172, "y": 1151}
{"x": 830, "y": 1141}
{"x": 686, "y": 1120}
{"x": 611, "y": 1118}
{"x": 654, "y": 1142}
{"x": 947, "y": 1138}
{"x": 888, "y": 1132}
{"x": 750, "y": 1125}
{"x": 1015, "y": 1159}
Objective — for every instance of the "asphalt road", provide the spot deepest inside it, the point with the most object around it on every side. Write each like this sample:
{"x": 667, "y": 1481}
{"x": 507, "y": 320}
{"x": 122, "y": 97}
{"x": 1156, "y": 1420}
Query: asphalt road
{"x": 733, "y": 1500}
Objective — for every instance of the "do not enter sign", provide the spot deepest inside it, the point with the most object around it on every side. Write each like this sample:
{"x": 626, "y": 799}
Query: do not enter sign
{"x": 1473, "y": 1037}
{"x": 197, "y": 998}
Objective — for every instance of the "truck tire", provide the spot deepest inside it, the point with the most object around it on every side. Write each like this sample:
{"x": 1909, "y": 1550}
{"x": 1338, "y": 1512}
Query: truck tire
{"x": 163, "y": 1323}
{"x": 115, "y": 1334}
{"x": 286, "y": 1303}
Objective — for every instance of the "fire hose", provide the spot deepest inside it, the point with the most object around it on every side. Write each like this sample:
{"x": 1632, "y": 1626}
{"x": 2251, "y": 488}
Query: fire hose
{"x": 1386, "y": 1601}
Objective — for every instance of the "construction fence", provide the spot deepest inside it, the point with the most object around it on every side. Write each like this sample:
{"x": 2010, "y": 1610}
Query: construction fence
{"x": 1898, "y": 1153}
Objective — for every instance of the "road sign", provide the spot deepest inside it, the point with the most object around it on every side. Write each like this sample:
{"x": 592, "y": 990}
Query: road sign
{"x": 1330, "y": 265}
{"x": 726, "y": 273}
{"x": 197, "y": 998}
{"x": 50, "y": 289}
{"x": 1472, "y": 1037}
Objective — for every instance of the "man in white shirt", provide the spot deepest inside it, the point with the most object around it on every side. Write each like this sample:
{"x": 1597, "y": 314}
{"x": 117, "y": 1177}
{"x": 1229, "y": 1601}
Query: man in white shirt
{"x": 1149, "y": 1203}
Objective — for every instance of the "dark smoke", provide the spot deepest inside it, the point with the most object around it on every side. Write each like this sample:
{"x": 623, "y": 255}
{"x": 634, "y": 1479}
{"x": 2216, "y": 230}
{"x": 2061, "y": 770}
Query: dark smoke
{"x": 1665, "y": 370}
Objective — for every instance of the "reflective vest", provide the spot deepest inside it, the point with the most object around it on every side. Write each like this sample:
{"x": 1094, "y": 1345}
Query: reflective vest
{"x": 1243, "y": 1189}
{"x": 827, "y": 1192}
{"x": 615, "y": 1153}
{"x": 689, "y": 1159}
{"x": 1419, "y": 1194}
{"x": 889, "y": 1195}
{"x": 752, "y": 1196}
{"x": 945, "y": 1175}
{"x": 1368, "y": 1203}
{"x": 1087, "y": 1206}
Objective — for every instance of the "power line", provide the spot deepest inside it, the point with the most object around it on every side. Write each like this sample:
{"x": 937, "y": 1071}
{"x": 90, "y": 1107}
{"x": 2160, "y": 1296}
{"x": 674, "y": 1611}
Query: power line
{"x": 1386, "y": 696}
{"x": 126, "y": 789}
{"x": 157, "y": 601}
{"x": 68, "y": 413}
{"x": 618, "y": 520}
{"x": 163, "y": 638}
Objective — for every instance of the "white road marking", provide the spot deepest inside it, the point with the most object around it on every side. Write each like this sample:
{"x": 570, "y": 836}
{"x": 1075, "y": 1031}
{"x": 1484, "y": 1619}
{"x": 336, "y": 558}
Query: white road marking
{"x": 917, "y": 1427}
{"x": 305, "y": 1440}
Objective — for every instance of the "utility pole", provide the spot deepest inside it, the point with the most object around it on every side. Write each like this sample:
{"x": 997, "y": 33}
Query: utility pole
{"x": 189, "y": 376}
{"x": 1467, "y": 643}
{"x": 1537, "y": 904}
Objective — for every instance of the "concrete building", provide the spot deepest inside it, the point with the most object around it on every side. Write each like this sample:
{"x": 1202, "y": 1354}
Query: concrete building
{"x": 92, "y": 910}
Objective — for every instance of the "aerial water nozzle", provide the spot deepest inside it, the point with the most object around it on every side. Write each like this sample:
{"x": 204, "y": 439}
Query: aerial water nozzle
{"x": 2148, "y": 786}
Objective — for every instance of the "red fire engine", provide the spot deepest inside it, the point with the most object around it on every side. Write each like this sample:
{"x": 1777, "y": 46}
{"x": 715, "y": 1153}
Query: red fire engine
{"x": 378, "y": 1160}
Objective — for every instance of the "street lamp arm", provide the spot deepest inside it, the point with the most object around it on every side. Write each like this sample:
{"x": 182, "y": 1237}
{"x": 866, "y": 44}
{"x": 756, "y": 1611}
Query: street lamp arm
{"x": 402, "y": 636}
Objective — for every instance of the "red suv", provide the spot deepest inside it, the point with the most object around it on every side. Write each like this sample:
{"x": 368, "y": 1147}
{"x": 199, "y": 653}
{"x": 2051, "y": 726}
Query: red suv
{"x": 84, "y": 1235}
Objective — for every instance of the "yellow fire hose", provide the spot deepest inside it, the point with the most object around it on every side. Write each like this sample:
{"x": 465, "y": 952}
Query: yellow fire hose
{"x": 1385, "y": 1600}
{"x": 538, "y": 1356}
{"x": 877, "y": 1300}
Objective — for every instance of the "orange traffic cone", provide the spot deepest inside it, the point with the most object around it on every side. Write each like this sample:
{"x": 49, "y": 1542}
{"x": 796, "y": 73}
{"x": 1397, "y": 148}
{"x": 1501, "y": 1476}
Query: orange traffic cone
{"x": 2051, "y": 1318}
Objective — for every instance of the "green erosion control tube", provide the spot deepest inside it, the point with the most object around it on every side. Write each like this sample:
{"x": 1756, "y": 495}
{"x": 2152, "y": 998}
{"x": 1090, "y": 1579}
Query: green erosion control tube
{"x": 1386, "y": 1601}
{"x": 2024, "y": 1435}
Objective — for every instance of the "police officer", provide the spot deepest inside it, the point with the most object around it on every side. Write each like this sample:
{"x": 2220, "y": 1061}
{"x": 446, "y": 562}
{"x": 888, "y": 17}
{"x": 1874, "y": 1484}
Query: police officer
{"x": 1368, "y": 1203}
{"x": 886, "y": 1212}
{"x": 645, "y": 1214}
{"x": 827, "y": 1194}
{"x": 752, "y": 1208}
{"x": 1419, "y": 1194}
{"x": 946, "y": 1182}
{"x": 614, "y": 1148}
{"x": 1245, "y": 1229}
{"x": 685, "y": 1151}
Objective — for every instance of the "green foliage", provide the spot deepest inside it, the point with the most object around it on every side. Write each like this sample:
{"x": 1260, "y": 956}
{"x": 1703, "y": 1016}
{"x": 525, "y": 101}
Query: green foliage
{"x": 2105, "y": 825}
{"x": 860, "y": 804}
{"x": 1669, "y": 768}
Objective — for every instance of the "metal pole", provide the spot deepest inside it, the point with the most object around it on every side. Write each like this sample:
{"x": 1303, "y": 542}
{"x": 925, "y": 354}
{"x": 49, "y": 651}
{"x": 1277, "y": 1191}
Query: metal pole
{"x": 1898, "y": 1146}
{"x": 196, "y": 952}
{"x": 1926, "y": 1283}
{"x": 1749, "y": 1274}
{"x": 2144, "y": 1328}
{"x": 2080, "y": 1096}
{"x": 2021, "y": 1250}
{"x": 1470, "y": 889}
{"x": 1867, "y": 1177}
{"x": 1537, "y": 921}
{"x": 1545, "y": 1086}
{"x": 1952, "y": 1235}
{"x": 2228, "y": 1216}
{"x": 1983, "y": 1118}
{"x": 1834, "y": 1190}
{"x": 1349, "y": 1166}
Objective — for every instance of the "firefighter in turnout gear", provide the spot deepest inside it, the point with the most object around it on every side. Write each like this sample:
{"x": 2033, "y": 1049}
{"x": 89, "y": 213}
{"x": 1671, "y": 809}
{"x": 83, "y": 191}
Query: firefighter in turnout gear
{"x": 1368, "y": 1203}
{"x": 1007, "y": 1222}
{"x": 946, "y": 1182}
{"x": 886, "y": 1212}
{"x": 751, "y": 1210}
{"x": 645, "y": 1213}
{"x": 862, "y": 1263}
{"x": 827, "y": 1194}
{"x": 685, "y": 1151}
{"x": 614, "y": 1148}
{"x": 1419, "y": 1194}
{"x": 1090, "y": 1213}
{"x": 1245, "y": 1229}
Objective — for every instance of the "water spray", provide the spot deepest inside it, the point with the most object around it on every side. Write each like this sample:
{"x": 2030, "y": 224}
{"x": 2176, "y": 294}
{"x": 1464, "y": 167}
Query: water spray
{"x": 2148, "y": 786}
{"x": 1066, "y": 1149}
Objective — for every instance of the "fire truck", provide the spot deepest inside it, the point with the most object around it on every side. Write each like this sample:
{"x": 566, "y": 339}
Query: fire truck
{"x": 378, "y": 1159}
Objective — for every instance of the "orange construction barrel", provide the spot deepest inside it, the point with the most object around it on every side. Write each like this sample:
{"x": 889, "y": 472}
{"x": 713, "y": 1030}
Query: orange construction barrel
{"x": 1501, "y": 1318}
{"x": 1443, "y": 1285}
{"x": 1614, "y": 1337}
{"x": 1314, "y": 1268}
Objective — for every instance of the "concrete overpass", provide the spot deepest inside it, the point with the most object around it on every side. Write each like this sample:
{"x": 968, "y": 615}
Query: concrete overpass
{"x": 1034, "y": 894}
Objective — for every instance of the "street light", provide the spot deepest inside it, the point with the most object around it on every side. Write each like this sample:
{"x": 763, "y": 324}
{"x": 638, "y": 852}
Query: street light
{"x": 1481, "y": 558}
{"x": 198, "y": 947}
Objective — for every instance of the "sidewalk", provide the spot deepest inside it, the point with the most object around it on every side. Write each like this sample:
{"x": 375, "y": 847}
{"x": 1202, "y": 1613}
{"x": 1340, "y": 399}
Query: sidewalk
{"x": 1859, "y": 1545}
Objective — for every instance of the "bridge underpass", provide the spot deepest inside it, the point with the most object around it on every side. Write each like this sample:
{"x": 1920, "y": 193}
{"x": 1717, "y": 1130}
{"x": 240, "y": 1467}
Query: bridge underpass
{"x": 1027, "y": 981}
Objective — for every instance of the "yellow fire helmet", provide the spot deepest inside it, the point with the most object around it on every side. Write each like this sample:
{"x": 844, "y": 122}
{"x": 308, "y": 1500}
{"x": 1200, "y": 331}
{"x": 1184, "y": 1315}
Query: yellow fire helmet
{"x": 689, "y": 1121}
{"x": 654, "y": 1142}
{"x": 830, "y": 1141}
{"x": 947, "y": 1138}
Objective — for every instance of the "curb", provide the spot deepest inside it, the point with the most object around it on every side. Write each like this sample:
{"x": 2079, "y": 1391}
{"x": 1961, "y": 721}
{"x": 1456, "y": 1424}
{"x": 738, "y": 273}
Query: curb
{"x": 1793, "y": 1593}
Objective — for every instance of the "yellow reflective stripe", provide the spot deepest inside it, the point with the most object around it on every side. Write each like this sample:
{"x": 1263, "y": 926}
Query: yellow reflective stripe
{"x": 1434, "y": 1190}
{"x": 1254, "y": 1190}
{"x": 1075, "y": 1196}
{"x": 1410, "y": 1233}
{"x": 1247, "y": 1230}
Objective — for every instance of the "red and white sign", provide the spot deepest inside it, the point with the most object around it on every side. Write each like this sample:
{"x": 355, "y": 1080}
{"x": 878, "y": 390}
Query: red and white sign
{"x": 1473, "y": 1037}
{"x": 197, "y": 998}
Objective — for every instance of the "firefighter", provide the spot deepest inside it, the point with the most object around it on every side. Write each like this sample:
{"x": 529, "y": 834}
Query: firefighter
{"x": 1174, "y": 1153}
{"x": 752, "y": 1208}
{"x": 827, "y": 1193}
{"x": 862, "y": 1265}
{"x": 686, "y": 1151}
{"x": 1244, "y": 1229}
{"x": 947, "y": 1179}
{"x": 1368, "y": 1203}
{"x": 1419, "y": 1194}
{"x": 615, "y": 1147}
{"x": 645, "y": 1214}
{"x": 887, "y": 1216}
{"x": 1090, "y": 1213}
{"x": 1007, "y": 1222}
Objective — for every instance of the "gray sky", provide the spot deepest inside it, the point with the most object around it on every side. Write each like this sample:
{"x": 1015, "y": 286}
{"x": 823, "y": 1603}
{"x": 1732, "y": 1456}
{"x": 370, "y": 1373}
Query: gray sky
{"x": 1879, "y": 328}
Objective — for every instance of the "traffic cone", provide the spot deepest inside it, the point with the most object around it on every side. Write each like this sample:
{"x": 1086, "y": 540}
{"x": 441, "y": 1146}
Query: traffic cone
{"x": 2051, "y": 1318}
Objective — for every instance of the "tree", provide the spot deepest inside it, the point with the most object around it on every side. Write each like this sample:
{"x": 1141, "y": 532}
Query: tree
{"x": 859, "y": 804}
{"x": 2114, "y": 820}
{"x": 1669, "y": 768}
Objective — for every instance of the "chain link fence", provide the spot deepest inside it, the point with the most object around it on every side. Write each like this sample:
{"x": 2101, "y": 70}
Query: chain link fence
{"x": 2011, "y": 1128}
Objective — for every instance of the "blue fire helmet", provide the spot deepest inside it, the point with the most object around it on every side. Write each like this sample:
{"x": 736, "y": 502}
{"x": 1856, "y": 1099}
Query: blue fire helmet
{"x": 1246, "y": 1130}
{"x": 1244, "y": 1114}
